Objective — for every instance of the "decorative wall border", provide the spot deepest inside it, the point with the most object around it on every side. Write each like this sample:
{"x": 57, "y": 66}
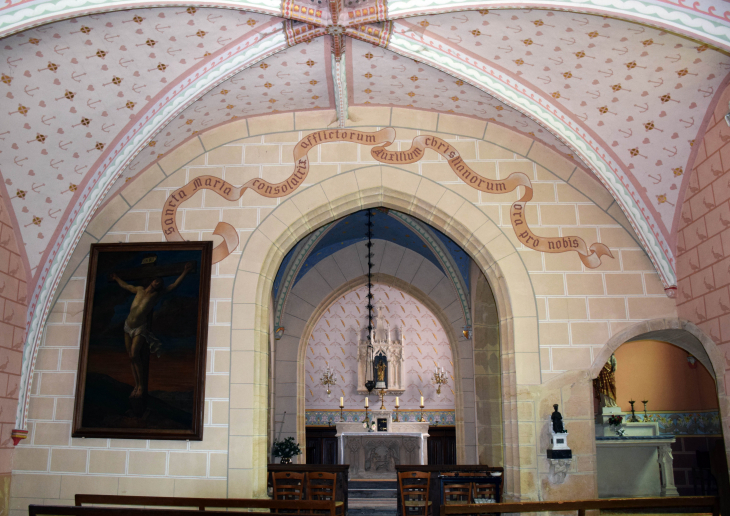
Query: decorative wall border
{"x": 332, "y": 417}
{"x": 293, "y": 268}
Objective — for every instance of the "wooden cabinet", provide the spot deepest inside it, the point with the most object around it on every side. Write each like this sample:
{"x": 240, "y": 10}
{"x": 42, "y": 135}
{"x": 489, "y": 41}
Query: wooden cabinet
{"x": 321, "y": 445}
{"x": 441, "y": 445}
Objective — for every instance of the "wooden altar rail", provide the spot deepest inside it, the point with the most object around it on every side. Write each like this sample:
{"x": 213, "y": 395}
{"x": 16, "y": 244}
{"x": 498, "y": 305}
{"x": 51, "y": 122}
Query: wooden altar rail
{"x": 712, "y": 502}
{"x": 303, "y": 507}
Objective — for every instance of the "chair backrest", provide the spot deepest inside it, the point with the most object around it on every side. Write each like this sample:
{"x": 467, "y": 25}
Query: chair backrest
{"x": 288, "y": 485}
{"x": 457, "y": 493}
{"x": 485, "y": 491}
{"x": 321, "y": 485}
{"x": 414, "y": 492}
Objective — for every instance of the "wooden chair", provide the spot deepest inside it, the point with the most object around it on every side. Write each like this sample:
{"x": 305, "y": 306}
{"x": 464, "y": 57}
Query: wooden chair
{"x": 323, "y": 486}
{"x": 414, "y": 487}
{"x": 457, "y": 494}
{"x": 288, "y": 486}
{"x": 485, "y": 491}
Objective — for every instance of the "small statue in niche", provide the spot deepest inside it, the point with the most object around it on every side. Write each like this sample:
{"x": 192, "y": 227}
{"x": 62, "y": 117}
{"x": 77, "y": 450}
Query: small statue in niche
{"x": 605, "y": 385}
{"x": 557, "y": 421}
{"x": 381, "y": 371}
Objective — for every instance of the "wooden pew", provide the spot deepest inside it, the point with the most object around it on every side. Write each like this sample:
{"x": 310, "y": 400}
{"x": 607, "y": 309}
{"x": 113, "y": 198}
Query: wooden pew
{"x": 708, "y": 502}
{"x": 303, "y": 507}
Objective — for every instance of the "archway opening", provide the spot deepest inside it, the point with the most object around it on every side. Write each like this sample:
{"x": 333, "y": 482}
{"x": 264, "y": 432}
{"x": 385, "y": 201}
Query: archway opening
{"x": 666, "y": 397}
{"x": 446, "y": 308}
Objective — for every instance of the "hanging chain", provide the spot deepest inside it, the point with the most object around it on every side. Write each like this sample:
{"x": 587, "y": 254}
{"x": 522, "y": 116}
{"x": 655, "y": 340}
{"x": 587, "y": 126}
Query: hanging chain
{"x": 369, "y": 245}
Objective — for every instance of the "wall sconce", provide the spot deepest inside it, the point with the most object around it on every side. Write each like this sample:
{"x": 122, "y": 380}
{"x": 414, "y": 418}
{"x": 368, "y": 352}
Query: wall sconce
{"x": 727, "y": 117}
{"x": 329, "y": 378}
{"x": 279, "y": 333}
{"x": 691, "y": 359}
{"x": 439, "y": 378}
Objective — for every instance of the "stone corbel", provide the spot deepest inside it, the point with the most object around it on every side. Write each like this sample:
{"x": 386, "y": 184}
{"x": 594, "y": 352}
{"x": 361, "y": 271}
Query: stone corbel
{"x": 559, "y": 470}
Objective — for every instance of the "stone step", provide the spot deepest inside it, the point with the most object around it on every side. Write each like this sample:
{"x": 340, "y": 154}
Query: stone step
{"x": 372, "y": 484}
{"x": 372, "y": 493}
{"x": 372, "y": 504}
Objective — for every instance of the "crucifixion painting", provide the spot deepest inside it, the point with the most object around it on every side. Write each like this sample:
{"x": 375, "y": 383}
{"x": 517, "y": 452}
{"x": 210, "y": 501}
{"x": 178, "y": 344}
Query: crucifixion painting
{"x": 143, "y": 346}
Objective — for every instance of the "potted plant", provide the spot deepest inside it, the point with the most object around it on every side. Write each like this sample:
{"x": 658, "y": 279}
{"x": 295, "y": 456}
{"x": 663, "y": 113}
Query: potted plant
{"x": 286, "y": 449}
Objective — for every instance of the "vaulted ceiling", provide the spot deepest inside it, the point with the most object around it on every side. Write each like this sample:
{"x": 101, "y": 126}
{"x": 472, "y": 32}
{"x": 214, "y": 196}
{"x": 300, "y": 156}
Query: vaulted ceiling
{"x": 96, "y": 91}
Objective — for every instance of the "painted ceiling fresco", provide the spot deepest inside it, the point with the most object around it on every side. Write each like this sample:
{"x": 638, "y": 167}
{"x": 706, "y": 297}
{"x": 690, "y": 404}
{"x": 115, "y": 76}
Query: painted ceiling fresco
{"x": 73, "y": 86}
{"x": 292, "y": 80}
{"x": 92, "y": 101}
{"x": 334, "y": 340}
{"x": 642, "y": 91}
{"x": 384, "y": 77}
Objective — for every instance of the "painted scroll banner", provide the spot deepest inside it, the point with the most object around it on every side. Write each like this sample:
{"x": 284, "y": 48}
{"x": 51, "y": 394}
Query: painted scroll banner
{"x": 260, "y": 186}
{"x": 590, "y": 256}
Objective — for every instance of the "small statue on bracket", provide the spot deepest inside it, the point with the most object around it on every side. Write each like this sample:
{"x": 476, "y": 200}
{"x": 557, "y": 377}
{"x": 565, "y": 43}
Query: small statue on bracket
{"x": 559, "y": 437}
{"x": 558, "y": 454}
{"x": 557, "y": 421}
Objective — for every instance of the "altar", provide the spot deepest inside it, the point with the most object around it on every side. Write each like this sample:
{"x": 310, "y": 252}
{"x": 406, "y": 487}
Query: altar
{"x": 636, "y": 464}
{"x": 376, "y": 454}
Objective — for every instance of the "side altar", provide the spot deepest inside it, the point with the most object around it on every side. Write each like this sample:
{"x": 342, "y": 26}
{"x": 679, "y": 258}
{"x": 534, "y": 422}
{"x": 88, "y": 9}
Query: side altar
{"x": 376, "y": 454}
{"x": 638, "y": 463}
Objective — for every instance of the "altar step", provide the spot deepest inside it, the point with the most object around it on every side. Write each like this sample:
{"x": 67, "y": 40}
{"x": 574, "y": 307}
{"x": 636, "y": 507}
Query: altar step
{"x": 373, "y": 489}
{"x": 372, "y": 497}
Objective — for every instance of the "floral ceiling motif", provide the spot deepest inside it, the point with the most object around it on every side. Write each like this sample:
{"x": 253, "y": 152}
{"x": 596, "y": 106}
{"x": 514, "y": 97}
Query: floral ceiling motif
{"x": 642, "y": 91}
{"x": 378, "y": 76}
{"x": 292, "y": 80}
{"x": 73, "y": 86}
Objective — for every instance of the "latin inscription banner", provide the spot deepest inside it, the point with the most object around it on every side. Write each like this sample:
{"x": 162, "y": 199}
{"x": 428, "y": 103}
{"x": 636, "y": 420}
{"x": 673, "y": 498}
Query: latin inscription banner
{"x": 590, "y": 256}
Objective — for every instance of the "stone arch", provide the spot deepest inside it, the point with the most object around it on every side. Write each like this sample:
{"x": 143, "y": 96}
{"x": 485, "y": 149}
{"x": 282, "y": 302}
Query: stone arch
{"x": 333, "y": 198}
{"x": 461, "y": 446}
{"x": 679, "y": 332}
{"x": 687, "y": 336}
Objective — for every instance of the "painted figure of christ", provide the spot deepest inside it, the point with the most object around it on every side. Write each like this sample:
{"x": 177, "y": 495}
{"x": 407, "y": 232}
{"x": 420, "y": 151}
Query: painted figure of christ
{"x": 138, "y": 338}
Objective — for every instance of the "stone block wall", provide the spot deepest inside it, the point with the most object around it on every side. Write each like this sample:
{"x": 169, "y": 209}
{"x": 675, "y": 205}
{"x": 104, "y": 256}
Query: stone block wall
{"x": 13, "y": 306}
{"x": 554, "y": 325}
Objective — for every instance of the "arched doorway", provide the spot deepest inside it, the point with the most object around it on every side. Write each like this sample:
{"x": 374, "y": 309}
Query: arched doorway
{"x": 314, "y": 207}
{"x": 433, "y": 272}
{"x": 670, "y": 375}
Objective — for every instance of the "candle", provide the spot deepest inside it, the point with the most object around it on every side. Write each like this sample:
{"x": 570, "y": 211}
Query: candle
{"x": 422, "y": 401}
{"x": 397, "y": 402}
{"x": 366, "y": 403}
{"x": 342, "y": 402}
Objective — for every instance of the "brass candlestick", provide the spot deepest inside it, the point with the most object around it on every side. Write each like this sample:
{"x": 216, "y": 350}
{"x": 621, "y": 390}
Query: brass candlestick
{"x": 633, "y": 414}
{"x": 646, "y": 416}
{"x": 422, "y": 420}
{"x": 382, "y": 403}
